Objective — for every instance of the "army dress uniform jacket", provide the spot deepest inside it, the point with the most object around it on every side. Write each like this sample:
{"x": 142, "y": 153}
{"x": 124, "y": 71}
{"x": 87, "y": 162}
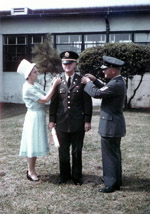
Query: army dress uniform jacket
{"x": 112, "y": 122}
{"x": 70, "y": 107}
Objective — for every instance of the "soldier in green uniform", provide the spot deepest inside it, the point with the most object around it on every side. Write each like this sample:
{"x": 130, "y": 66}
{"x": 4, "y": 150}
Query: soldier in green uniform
{"x": 70, "y": 113}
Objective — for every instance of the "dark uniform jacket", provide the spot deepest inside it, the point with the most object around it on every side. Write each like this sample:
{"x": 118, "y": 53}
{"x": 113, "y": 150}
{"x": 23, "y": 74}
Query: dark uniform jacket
{"x": 112, "y": 122}
{"x": 70, "y": 107}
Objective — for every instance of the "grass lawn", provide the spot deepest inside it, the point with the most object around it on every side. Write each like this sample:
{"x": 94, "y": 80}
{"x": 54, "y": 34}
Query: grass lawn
{"x": 21, "y": 196}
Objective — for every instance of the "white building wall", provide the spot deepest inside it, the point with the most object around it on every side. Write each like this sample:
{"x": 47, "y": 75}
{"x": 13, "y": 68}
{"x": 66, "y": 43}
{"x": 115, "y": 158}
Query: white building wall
{"x": 142, "y": 97}
{"x": 129, "y": 23}
{"x": 74, "y": 24}
{"x": 11, "y": 83}
{"x": 12, "y": 87}
{"x": 1, "y": 68}
{"x": 53, "y": 25}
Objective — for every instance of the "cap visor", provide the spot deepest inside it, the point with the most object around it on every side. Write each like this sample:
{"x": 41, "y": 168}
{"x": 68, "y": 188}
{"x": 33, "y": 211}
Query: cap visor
{"x": 103, "y": 67}
{"x": 67, "y": 61}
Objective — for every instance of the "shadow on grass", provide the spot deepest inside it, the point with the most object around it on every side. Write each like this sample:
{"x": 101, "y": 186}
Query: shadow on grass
{"x": 8, "y": 110}
{"x": 130, "y": 184}
{"x": 135, "y": 184}
{"x": 87, "y": 179}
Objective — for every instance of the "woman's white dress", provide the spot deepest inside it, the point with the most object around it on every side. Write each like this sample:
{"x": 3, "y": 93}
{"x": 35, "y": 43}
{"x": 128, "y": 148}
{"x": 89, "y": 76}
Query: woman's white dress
{"x": 34, "y": 141}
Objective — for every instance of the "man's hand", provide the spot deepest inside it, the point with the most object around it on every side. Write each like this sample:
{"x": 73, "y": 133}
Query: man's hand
{"x": 87, "y": 126}
{"x": 91, "y": 77}
{"x": 85, "y": 80}
{"x": 51, "y": 125}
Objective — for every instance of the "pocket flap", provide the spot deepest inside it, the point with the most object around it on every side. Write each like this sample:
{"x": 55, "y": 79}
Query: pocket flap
{"x": 106, "y": 116}
{"x": 62, "y": 91}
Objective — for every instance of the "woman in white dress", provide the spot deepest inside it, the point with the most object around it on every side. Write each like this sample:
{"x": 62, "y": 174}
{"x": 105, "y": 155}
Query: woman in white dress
{"x": 34, "y": 141}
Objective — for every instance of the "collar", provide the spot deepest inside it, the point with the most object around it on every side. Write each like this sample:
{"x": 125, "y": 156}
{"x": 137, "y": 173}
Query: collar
{"x": 116, "y": 77}
{"x": 67, "y": 77}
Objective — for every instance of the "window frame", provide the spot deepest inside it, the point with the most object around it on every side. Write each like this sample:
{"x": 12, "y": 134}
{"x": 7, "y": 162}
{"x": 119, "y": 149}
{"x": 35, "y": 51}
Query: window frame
{"x": 11, "y": 60}
{"x": 81, "y": 45}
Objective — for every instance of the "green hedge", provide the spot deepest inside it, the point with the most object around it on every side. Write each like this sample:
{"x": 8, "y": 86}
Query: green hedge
{"x": 136, "y": 58}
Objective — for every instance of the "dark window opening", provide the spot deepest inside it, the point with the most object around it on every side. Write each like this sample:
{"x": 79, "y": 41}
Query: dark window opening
{"x": 18, "y": 47}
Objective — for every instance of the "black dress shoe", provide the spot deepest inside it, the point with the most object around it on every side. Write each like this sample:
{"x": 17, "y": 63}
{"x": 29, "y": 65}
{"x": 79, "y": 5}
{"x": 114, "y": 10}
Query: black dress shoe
{"x": 107, "y": 189}
{"x": 30, "y": 178}
{"x": 78, "y": 182}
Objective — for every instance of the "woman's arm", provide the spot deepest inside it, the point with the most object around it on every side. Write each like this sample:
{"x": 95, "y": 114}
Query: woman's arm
{"x": 48, "y": 96}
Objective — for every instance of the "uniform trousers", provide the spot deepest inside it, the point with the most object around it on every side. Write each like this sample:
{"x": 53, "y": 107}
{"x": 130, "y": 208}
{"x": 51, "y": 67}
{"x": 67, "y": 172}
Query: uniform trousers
{"x": 66, "y": 140}
{"x": 111, "y": 160}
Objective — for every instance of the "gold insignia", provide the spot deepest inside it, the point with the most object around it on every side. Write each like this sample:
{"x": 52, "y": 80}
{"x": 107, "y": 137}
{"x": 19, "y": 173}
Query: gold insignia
{"x": 67, "y": 54}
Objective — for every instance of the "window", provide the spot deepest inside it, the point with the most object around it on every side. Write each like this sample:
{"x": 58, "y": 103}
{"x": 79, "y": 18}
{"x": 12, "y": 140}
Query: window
{"x": 93, "y": 40}
{"x": 69, "y": 42}
{"x": 79, "y": 42}
{"x": 142, "y": 38}
{"x": 120, "y": 37}
{"x": 16, "y": 48}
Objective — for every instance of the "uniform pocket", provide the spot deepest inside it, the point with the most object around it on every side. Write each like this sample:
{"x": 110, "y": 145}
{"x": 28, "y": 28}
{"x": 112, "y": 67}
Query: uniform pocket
{"x": 106, "y": 127}
{"x": 62, "y": 91}
{"x": 106, "y": 116}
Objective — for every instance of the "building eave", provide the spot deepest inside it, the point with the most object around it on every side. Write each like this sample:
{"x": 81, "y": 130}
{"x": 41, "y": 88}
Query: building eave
{"x": 113, "y": 10}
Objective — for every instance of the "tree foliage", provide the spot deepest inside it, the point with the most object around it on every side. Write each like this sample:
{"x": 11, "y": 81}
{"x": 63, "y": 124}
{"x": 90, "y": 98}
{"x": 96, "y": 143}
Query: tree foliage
{"x": 136, "y": 58}
{"x": 46, "y": 58}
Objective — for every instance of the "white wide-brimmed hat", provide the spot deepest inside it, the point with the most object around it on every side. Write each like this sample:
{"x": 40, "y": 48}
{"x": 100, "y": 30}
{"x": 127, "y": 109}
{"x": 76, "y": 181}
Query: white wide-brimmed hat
{"x": 25, "y": 68}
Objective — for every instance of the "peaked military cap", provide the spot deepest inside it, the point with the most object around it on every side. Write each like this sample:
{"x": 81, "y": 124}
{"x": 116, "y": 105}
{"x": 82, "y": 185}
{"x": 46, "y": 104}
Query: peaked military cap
{"x": 111, "y": 62}
{"x": 68, "y": 57}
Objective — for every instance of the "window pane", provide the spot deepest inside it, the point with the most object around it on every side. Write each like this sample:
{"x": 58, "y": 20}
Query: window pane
{"x": 62, "y": 48}
{"x": 21, "y": 40}
{"x": 11, "y": 40}
{"x": 94, "y": 44}
{"x": 61, "y": 39}
{"x": 37, "y": 39}
{"x": 75, "y": 38}
{"x": 11, "y": 53}
{"x": 98, "y": 38}
{"x": 21, "y": 51}
{"x": 124, "y": 37}
{"x": 94, "y": 40}
{"x": 5, "y": 40}
{"x": 142, "y": 37}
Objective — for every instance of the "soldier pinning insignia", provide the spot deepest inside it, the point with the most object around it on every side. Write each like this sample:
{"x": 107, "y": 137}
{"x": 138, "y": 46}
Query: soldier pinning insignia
{"x": 111, "y": 62}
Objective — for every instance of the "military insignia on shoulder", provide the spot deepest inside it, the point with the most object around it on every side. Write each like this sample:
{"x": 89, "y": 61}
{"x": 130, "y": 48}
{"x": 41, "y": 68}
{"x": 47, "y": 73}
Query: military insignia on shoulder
{"x": 104, "y": 88}
{"x": 67, "y": 54}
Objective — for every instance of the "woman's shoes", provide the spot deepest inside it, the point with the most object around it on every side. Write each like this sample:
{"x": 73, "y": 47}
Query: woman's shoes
{"x": 30, "y": 178}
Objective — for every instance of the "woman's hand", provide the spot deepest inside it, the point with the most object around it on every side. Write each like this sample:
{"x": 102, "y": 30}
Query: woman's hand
{"x": 56, "y": 81}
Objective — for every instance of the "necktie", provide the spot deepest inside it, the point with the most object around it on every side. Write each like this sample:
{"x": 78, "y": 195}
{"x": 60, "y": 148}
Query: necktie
{"x": 69, "y": 82}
